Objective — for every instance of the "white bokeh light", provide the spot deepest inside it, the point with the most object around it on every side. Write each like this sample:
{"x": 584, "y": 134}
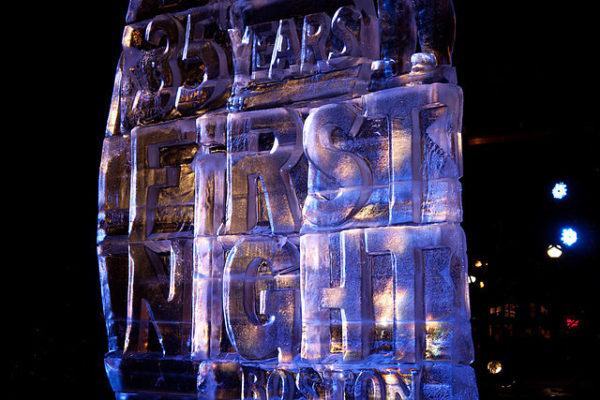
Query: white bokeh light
{"x": 568, "y": 236}
{"x": 554, "y": 251}
{"x": 560, "y": 190}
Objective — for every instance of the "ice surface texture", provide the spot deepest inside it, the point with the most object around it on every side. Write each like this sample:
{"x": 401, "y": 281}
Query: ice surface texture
{"x": 280, "y": 204}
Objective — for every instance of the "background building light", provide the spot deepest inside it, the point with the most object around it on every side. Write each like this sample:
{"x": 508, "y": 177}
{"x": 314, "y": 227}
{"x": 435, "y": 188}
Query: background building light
{"x": 572, "y": 323}
{"x": 560, "y": 190}
{"x": 554, "y": 251}
{"x": 494, "y": 367}
{"x": 568, "y": 236}
{"x": 481, "y": 284}
{"x": 478, "y": 264}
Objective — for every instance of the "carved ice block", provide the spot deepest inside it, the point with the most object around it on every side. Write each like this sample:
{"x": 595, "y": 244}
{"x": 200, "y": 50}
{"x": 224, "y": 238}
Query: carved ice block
{"x": 114, "y": 187}
{"x": 159, "y": 295}
{"x": 394, "y": 157}
{"x": 174, "y": 64}
{"x": 261, "y": 298}
{"x": 246, "y": 297}
{"x": 393, "y": 294}
{"x": 135, "y": 378}
{"x": 264, "y": 171}
{"x": 209, "y": 339}
{"x": 162, "y": 180}
{"x": 287, "y": 52}
{"x": 279, "y": 203}
{"x": 209, "y": 166}
{"x": 113, "y": 260}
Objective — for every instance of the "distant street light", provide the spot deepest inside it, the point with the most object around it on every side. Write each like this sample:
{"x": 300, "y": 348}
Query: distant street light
{"x": 472, "y": 279}
{"x": 554, "y": 251}
{"x": 560, "y": 190}
{"x": 568, "y": 236}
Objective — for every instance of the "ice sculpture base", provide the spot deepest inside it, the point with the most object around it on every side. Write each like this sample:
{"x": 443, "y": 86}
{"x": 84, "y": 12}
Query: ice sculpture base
{"x": 154, "y": 378}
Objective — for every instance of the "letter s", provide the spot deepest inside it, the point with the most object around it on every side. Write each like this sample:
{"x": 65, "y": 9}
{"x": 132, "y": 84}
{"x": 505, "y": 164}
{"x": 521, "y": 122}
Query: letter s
{"x": 339, "y": 181}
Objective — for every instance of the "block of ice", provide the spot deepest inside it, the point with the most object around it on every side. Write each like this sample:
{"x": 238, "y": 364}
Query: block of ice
{"x": 401, "y": 291}
{"x": 263, "y": 147}
{"x": 210, "y": 165}
{"x": 159, "y": 295}
{"x": 113, "y": 188}
{"x": 279, "y": 203}
{"x": 287, "y": 52}
{"x": 113, "y": 261}
{"x": 395, "y": 157}
{"x": 162, "y": 180}
{"x": 174, "y": 64}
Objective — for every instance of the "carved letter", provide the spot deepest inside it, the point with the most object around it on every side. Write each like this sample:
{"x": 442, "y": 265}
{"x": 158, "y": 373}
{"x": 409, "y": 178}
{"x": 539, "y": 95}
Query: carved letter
{"x": 262, "y": 148}
{"x": 345, "y": 26}
{"x": 260, "y": 267}
{"x": 286, "y": 52}
{"x": 159, "y": 294}
{"x": 339, "y": 181}
{"x": 315, "y": 33}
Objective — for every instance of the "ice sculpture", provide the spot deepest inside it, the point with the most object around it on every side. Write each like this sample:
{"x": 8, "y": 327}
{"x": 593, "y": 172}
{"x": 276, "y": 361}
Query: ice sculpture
{"x": 279, "y": 203}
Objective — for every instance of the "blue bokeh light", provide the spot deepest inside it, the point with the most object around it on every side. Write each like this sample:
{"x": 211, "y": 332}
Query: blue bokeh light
{"x": 560, "y": 190}
{"x": 568, "y": 236}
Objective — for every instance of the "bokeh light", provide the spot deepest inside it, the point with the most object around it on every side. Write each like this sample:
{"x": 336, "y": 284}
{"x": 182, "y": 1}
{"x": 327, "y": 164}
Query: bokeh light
{"x": 494, "y": 367}
{"x": 554, "y": 251}
{"x": 560, "y": 190}
{"x": 568, "y": 236}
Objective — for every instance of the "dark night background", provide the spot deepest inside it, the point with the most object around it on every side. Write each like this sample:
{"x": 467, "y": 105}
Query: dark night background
{"x": 529, "y": 73}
